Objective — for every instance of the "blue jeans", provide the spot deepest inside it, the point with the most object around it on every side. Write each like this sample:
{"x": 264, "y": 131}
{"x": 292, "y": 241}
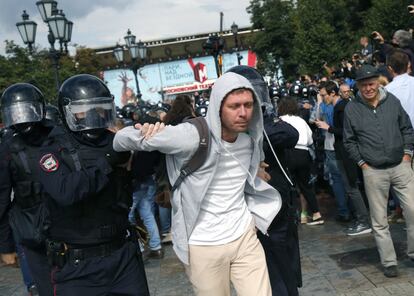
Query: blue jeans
{"x": 143, "y": 200}
{"x": 336, "y": 183}
{"x": 24, "y": 267}
{"x": 165, "y": 219}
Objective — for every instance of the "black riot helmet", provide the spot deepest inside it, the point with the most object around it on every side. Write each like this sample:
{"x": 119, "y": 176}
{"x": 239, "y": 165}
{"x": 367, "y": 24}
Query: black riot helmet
{"x": 256, "y": 79}
{"x": 22, "y": 104}
{"x": 296, "y": 89}
{"x": 201, "y": 110}
{"x": 305, "y": 92}
{"x": 52, "y": 114}
{"x": 313, "y": 91}
{"x": 86, "y": 104}
{"x": 128, "y": 110}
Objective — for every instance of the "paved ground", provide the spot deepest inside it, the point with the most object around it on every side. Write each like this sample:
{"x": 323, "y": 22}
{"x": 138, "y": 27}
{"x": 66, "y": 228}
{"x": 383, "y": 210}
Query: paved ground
{"x": 332, "y": 264}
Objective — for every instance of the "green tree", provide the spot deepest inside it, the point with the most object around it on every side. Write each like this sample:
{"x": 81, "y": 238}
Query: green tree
{"x": 274, "y": 40}
{"x": 322, "y": 34}
{"x": 387, "y": 16}
{"x": 19, "y": 66}
{"x": 86, "y": 61}
{"x": 305, "y": 33}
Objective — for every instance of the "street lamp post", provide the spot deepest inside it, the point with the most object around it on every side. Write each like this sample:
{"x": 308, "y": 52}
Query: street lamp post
{"x": 235, "y": 31}
{"x": 215, "y": 45}
{"x": 138, "y": 52}
{"x": 27, "y": 30}
{"x": 60, "y": 29}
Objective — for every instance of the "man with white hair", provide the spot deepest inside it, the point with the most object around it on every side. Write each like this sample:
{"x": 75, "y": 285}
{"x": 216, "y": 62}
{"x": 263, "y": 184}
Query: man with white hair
{"x": 401, "y": 39}
{"x": 379, "y": 137}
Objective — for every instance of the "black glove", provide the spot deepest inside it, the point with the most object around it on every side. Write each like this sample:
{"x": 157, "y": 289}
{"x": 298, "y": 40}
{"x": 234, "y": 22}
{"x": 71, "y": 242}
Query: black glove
{"x": 117, "y": 158}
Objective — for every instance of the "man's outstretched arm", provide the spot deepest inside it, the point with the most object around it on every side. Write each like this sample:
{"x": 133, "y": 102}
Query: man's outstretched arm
{"x": 182, "y": 138}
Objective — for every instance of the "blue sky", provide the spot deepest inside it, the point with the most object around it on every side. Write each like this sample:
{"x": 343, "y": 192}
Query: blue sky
{"x": 105, "y": 22}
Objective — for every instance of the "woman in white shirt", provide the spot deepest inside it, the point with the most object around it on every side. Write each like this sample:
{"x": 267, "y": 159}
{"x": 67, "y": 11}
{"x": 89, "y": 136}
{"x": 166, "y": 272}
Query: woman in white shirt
{"x": 298, "y": 158}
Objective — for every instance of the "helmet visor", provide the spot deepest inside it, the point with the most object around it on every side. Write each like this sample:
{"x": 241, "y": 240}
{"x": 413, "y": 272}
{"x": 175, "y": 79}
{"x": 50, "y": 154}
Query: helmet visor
{"x": 90, "y": 114}
{"x": 22, "y": 112}
{"x": 261, "y": 89}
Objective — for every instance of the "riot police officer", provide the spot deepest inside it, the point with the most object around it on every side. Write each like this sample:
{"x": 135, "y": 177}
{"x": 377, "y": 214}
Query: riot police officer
{"x": 89, "y": 245}
{"x": 23, "y": 108}
{"x": 281, "y": 246}
{"x": 304, "y": 99}
{"x": 52, "y": 114}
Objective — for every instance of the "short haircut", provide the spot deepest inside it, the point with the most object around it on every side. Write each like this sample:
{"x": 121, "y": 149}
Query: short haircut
{"x": 344, "y": 85}
{"x": 403, "y": 37}
{"x": 378, "y": 56}
{"x": 235, "y": 92}
{"x": 330, "y": 86}
{"x": 287, "y": 106}
{"x": 398, "y": 61}
{"x": 238, "y": 91}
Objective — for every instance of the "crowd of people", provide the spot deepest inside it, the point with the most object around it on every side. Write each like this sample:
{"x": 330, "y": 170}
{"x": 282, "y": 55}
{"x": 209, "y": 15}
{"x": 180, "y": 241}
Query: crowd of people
{"x": 357, "y": 124}
{"x": 89, "y": 191}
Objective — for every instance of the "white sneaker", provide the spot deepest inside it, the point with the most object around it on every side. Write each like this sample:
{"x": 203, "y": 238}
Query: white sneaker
{"x": 167, "y": 238}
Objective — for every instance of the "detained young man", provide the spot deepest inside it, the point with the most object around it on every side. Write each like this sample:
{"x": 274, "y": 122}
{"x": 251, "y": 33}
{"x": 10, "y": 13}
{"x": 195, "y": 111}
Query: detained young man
{"x": 217, "y": 209}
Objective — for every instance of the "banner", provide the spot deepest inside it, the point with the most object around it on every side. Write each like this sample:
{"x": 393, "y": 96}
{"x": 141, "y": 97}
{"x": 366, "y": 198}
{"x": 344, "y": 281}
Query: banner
{"x": 168, "y": 78}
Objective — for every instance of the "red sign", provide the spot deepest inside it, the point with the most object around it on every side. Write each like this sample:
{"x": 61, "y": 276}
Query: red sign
{"x": 189, "y": 87}
{"x": 199, "y": 70}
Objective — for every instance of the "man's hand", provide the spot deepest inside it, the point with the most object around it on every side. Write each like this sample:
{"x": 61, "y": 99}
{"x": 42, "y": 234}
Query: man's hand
{"x": 377, "y": 36}
{"x": 319, "y": 98}
{"x": 364, "y": 166}
{"x": 261, "y": 173}
{"x": 149, "y": 130}
{"x": 307, "y": 106}
{"x": 407, "y": 158}
{"x": 9, "y": 258}
{"x": 322, "y": 124}
{"x": 124, "y": 78}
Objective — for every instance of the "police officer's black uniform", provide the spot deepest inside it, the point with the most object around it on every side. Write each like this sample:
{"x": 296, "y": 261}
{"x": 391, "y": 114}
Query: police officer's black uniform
{"x": 22, "y": 107}
{"x": 89, "y": 245}
{"x": 7, "y": 245}
{"x": 281, "y": 245}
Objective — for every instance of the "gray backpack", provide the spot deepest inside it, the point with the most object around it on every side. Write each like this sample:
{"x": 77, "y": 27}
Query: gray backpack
{"x": 164, "y": 189}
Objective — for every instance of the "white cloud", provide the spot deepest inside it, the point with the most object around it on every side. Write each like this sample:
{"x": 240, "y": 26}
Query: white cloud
{"x": 107, "y": 21}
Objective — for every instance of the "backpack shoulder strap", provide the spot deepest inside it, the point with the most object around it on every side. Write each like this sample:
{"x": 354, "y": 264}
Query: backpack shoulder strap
{"x": 200, "y": 156}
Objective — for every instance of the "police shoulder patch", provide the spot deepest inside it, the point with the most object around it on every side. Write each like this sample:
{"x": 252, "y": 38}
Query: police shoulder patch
{"x": 49, "y": 163}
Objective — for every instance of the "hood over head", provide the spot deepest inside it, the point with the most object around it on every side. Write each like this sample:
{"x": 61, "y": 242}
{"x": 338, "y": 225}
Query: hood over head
{"x": 223, "y": 86}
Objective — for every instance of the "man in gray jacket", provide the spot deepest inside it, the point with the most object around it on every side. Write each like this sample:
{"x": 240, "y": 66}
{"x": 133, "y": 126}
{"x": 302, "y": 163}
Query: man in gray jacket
{"x": 378, "y": 135}
{"x": 217, "y": 209}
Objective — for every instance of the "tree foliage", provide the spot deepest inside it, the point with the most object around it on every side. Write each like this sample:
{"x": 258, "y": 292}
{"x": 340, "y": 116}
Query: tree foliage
{"x": 306, "y": 33}
{"x": 273, "y": 19}
{"x": 387, "y": 16}
{"x": 17, "y": 65}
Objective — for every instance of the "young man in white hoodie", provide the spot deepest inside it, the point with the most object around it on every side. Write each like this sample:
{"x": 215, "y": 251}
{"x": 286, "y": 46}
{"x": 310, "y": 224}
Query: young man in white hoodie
{"x": 217, "y": 209}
